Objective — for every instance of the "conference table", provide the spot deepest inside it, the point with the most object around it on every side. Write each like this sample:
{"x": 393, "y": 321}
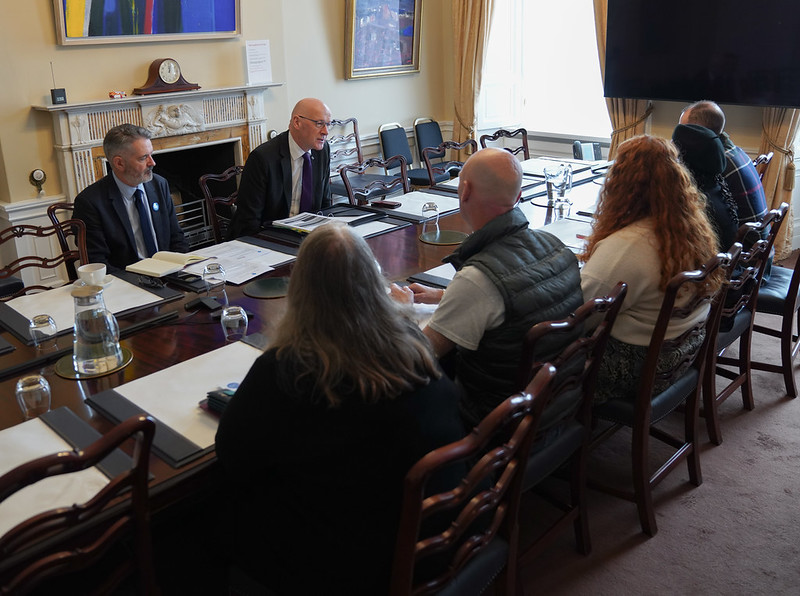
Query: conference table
{"x": 167, "y": 335}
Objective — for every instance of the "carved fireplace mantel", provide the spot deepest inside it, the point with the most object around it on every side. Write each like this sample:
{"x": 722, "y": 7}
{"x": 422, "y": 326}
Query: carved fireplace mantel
{"x": 176, "y": 120}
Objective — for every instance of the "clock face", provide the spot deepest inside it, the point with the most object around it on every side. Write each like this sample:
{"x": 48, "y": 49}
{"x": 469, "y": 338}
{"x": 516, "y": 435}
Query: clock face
{"x": 169, "y": 71}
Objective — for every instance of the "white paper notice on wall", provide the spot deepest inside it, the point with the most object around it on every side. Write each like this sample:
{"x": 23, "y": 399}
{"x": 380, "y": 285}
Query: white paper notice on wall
{"x": 259, "y": 63}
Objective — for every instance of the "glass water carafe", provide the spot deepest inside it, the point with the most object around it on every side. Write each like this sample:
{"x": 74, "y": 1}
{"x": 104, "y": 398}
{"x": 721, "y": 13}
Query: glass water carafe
{"x": 95, "y": 344}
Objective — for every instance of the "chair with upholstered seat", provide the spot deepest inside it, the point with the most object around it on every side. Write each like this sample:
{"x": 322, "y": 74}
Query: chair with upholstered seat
{"x": 509, "y": 134}
{"x": 361, "y": 195}
{"x": 428, "y": 134}
{"x": 221, "y": 203}
{"x": 77, "y": 544}
{"x": 456, "y": 542}
{"x": 69, "y": 229}
{"x": 445, "y": 167}
{"x": 779, "y": 296}
{"x": 394, "y": 141}
{"x": 682, "y": 379}
{"x": 738, "y": 316}
{"x": 761, "y": 162}
{"x": 586, "y": 151}
{"x": 345, "y": 144}
{"x": 567, "y": 419}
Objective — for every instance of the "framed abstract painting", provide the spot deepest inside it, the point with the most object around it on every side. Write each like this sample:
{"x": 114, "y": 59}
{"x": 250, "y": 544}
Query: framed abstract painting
{"x": 119, "y": 21}
{"x": 382, "y": 37}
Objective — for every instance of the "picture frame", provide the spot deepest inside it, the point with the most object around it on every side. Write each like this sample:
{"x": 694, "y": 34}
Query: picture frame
{"x": 114, "y": 21}
{"x": 382, "y": 38}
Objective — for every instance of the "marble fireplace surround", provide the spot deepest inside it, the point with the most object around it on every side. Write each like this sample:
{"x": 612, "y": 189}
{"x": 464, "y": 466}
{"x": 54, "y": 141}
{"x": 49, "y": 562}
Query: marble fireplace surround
{"x": 176, "y": 120}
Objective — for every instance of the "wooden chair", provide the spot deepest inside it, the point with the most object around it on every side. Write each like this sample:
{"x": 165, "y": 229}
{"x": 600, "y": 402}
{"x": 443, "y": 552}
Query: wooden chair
{"x": 90, "y": 529}
{"x": 226, "y": 200}
{"x": 739, "y": 314}
{"x": 478, "y": 518}
{"x": 437, "y": 169}
{"x": 395, "y": 142}
{"x": 502, "y": 133}
{"x": 74, "y": 228}
{"x": 427, "y": 134}
{"x": 683, "y": 389}
{"x": 778, "y": 296}
{"x": 570, "y": 411}
{"x": 360, "y": 195}
{"x": 761, "y": 162}
{"x": 345, "y": 145}
{"x": 53, "y": 211}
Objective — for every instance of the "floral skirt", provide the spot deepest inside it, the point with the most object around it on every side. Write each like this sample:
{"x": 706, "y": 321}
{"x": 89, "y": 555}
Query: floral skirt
{"x": 622, "y": 365}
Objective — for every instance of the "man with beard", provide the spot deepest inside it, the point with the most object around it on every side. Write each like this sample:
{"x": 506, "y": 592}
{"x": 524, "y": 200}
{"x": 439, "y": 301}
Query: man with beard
{"x": 129, "y": 214}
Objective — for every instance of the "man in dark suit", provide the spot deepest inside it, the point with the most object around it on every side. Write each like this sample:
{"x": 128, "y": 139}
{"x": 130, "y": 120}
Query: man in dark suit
{"x": 288, "y": 174}
{"x": 113, "y": 208}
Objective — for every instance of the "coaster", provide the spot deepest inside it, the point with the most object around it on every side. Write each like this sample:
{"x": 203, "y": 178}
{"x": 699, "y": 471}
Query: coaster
{"x": 443, "y": 237}
{"x": 65, "y": 369}
{"x": 269, "y": 287}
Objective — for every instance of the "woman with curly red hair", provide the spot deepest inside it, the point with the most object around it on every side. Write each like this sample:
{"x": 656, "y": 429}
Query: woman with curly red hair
{"x": 651, "y": 224}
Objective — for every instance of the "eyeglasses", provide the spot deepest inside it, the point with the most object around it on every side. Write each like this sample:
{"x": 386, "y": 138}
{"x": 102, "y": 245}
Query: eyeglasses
{"x": 318, "y": 123}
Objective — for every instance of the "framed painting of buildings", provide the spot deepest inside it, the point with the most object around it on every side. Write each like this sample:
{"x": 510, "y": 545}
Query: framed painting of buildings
{"x": 382, "y": 37}
{"x": 119, "y": 21}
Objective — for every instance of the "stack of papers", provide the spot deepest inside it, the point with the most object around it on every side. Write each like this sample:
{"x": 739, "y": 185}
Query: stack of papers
{"x": 242, "y": 261}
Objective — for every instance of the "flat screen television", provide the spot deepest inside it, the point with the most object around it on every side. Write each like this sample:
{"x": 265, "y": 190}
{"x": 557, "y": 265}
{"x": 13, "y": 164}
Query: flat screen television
{"x": 730, "y": 51}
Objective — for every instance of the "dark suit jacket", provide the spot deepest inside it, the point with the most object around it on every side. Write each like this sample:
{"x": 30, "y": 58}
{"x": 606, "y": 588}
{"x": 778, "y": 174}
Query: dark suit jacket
{"x": 109, "y": 236}
{"x": 265, "y": 190}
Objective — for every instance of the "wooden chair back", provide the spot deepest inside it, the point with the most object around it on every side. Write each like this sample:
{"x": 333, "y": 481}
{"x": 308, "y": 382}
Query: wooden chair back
{"x": 738, "y": 318}
{"x": 71, "y": 258}
{"x": 482, "y": 509}
{"x": 88, "y": 529}
{"x": 215, "y": 201}
{"x": 509, "y": 134}
{"x": 53, "y": 211}
{"x": 437, "y": 169}
{"x": 345, "y": 144}
{"x": 762, "y": 162}
{"x": 360, "y": 195}
{"x": 569, "y": 410}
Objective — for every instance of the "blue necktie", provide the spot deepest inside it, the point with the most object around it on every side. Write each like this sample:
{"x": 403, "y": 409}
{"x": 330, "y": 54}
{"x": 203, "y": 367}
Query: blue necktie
{"x": 307, "y": 189}
{"x": 144, "y": 223}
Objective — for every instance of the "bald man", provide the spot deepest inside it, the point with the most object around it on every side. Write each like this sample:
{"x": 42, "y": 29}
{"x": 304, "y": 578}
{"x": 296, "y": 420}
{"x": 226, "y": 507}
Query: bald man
{"x": 740, "y": 174}
{"x": 273, "y": 177}
{"x": 508, "y": 278}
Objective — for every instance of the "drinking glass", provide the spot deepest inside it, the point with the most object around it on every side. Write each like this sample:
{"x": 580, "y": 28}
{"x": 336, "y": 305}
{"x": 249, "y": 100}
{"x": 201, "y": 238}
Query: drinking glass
{"x": 214, "y": 280}
{"x": 559, "y": 181}
{"x": 430, "y": 217}
{"x": 43, "y": 332}
{"x": 33, "y": 396}
{"x": 234, "y": 323}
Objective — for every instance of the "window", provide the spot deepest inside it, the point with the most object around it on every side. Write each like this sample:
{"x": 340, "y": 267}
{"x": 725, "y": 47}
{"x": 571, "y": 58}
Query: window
{"x": 542, "y": 70}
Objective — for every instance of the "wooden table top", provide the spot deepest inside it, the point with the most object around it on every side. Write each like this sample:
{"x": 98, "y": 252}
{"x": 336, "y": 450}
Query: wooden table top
{"x": 190, "y": 334}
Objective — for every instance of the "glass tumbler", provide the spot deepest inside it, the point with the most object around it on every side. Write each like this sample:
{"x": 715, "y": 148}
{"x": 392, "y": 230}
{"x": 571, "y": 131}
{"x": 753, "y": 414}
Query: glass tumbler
{"x": 234, "y": 323}
{"x": 33, "y": 396}
{"x": 43, "y": 331}
{"x": 214, "y": 280}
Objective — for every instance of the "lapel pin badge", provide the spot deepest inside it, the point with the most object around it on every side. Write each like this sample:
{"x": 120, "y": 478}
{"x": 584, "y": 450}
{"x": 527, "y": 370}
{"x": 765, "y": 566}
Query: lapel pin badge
{"x": 155, "y": 206}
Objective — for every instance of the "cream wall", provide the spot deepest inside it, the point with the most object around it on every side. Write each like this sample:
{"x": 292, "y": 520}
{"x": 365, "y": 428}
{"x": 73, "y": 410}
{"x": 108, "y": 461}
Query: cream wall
{"x": 312, "y": 66}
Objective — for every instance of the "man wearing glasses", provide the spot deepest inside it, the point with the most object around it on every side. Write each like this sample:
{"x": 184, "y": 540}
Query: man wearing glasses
{"x": 288, "y": 174}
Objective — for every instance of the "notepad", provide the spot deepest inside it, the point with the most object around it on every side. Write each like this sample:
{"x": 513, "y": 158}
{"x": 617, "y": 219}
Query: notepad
{"x": 163, "y": 263}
